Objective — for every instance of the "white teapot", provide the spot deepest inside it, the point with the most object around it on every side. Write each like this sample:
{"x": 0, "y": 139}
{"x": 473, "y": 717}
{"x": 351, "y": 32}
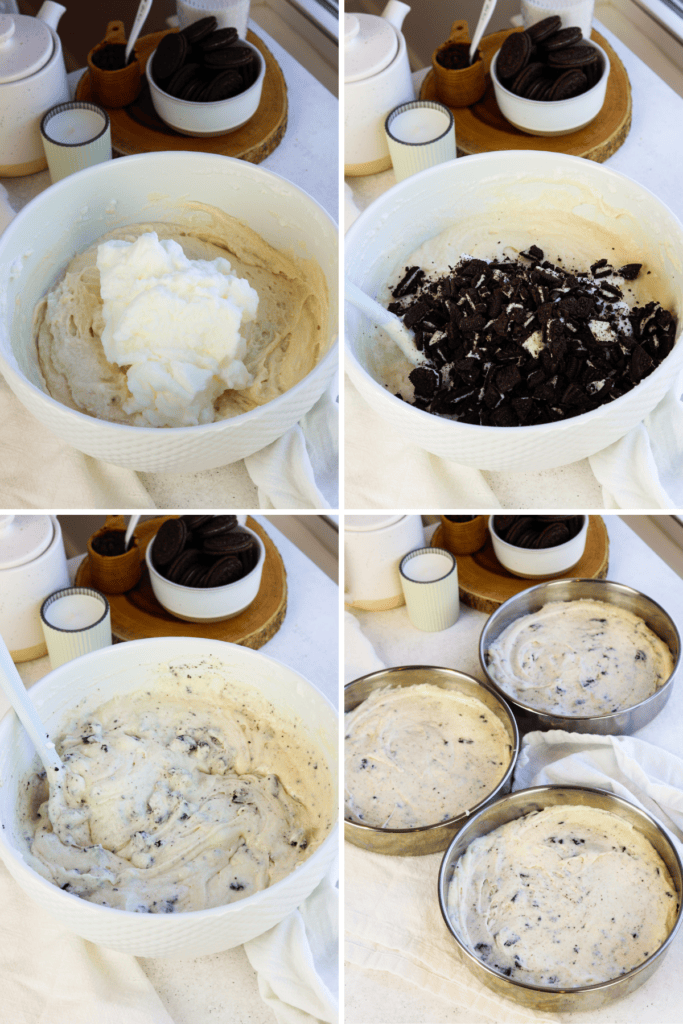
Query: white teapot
{"x": 377, "y": 79}
{"x": 32, "y": 79}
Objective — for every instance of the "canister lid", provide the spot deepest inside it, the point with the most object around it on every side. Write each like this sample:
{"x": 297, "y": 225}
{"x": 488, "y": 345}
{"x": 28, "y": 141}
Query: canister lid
{"x": 26, "y": 45}
{"x": 370, "y": 45}
{"x": 365, "y": 524}
{"x": 23, "y": 538}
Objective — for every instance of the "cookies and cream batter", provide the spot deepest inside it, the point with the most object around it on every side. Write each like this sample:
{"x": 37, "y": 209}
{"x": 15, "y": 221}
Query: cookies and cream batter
{"x": 282, "y": 340}
{"x": 563, "y": 897}
{"x": 580, "y": 658}
{"x": 180, "y": 797}
{"x": 417, "y": 755}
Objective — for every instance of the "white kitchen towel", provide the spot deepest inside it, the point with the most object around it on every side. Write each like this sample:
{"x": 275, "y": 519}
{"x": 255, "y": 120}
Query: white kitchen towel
{"x": 297, "y": 961}
{"x": 6, "y": 211}
{"x": 392, "y": 917}
{"x": 301, "y": 469}
{"x": 631, "y": 768}
{"x": 643, "y": 469}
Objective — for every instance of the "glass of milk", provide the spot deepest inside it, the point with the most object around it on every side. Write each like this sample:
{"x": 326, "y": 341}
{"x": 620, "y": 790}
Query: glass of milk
{"x": 429, "y": 578}
{"x": 75, "y": 621}
{"x": 420, "y": 134}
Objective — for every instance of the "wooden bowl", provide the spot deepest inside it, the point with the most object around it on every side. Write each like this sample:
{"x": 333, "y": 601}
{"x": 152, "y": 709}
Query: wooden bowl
{"x": 459, "y": 87}
{"x": 114, "y": 88}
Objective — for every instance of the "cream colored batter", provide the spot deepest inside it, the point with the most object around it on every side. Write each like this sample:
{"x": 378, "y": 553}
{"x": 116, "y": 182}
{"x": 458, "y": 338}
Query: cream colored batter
{"x": 563, "y": 897}
{"x": 417, "y": 755}
{"x": 579, "y": 658}
{"x": 178, "y": 798}
{"x": 284, "y": 343}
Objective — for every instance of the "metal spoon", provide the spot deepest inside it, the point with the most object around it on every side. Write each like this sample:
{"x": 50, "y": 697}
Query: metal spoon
{"x": 14, "y": 689}
{"x": 401, "y": 335}
{"x": 484, "y": 18}
{"x": 140, "y": 18}
{"x": 129, "y": 532}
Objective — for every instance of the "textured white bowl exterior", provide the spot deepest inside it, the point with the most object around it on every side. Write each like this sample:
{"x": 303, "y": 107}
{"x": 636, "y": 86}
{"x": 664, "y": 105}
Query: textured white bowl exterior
{"x": 207, "y": 119}
{"x": 533, "y": 563}
{"x": 39, "y": 243}
{"x": 207, "y": 604}
{"x": 97, "y": 677}
{"x": 491, "y": 194}
{"x": 539, "y": 117}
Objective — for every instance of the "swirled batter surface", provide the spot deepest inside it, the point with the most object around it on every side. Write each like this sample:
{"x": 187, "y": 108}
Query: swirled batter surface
{"x": 285, "y": 341}
{"x": 563, "y": 897}
{"x": 182, "y": 797}
{"x": 579, "y": 658}
{"x": 417, "y": 755}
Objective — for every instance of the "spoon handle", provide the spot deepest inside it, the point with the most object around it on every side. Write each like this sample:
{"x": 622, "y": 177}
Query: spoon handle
{"x": 383, "y": 318}
{"x": 134, "y": 520}
{"x": 13, "y": 686}
{"x": 140, "y": 18}
{"x": 484, "y": 18}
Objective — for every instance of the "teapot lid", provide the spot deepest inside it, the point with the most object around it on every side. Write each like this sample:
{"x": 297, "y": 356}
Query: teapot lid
{"x": 23, "y": 538}
{"x": 370, "y": 45}
{"x": 26, "y": 45}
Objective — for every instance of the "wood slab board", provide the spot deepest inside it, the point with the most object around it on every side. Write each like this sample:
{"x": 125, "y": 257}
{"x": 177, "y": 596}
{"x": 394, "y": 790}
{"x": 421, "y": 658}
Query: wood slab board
{"x": 482, "y": 128}
{"x": 138, "y": 129}
{"x": 484, "y": 584}
{"x": 137, "y": 614}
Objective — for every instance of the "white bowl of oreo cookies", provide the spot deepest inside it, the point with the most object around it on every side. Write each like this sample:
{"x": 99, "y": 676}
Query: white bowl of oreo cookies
{"x": 555, "y": 81}
{"x": 205, "y": 568}
{"x": 272, "y": 233}
{"x": 198, "y": 875}
{"x": 562, "y": 211}
{"x": 205, "y": 81}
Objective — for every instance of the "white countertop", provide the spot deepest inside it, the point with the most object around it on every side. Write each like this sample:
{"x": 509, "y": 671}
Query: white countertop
{"x": 652, "y": 155}
{"x": 385, "y": 998}
{"x": 223, "y": 986}
{"x": 307, "y": 156}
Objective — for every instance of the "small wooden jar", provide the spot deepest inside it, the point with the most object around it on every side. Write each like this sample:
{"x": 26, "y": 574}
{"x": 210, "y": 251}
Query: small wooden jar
{"x": 464, "y": 538}
{"x": 459, "y": 87}
{"x": 114, "y": 88}
{"x": 114, "y": 574}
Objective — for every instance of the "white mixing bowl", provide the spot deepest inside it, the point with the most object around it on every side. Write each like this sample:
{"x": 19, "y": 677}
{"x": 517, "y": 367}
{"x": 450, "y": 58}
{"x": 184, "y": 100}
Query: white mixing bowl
{"x": 96, "y": 678}
{"x": 39, "y": 243}
{"x": 519, "y": 197}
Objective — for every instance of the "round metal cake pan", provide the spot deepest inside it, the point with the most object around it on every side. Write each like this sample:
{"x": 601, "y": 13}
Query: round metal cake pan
{"x": 623, "y": 722}
{"x": 414, "y": 842}
{"x": 526, "y": 801}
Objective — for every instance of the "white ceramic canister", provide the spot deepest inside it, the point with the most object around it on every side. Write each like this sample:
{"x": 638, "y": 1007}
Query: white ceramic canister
{"x": 32, "y": 566}
{"x": 377, "y": 78}
{"x": 32, "y": 79}
{"x": 373, "y": 549}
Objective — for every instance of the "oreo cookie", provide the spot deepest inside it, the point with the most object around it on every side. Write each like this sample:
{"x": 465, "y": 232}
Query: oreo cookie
{"x": 228, "y": 569}
{"x": 528, "y": 531}
{"x": 216, "y": 525}
{"x": 228, "y": 83}
{"x": 571, "y": 83}
{"x": 542, "y": 29}
{"x": 573, "y": 56}
{"x": 169, "y": 56}
{"x": 200, "y": 29}
{"x": 169, "y": 542}
{"x": 180, "y": 564}
{"x": 227, "y": 543}
{"x": 219, "y": 39}
{"x": 513, "y": 54}
{"x": 565, "y": 37}
{"x": 228, "y": 57}
{"x": 180, "y": 80}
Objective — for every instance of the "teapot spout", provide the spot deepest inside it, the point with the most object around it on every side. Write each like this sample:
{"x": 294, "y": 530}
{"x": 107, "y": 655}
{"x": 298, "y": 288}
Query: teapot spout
{"x": 395, "y": 12}
{"x": 51, "y": 12}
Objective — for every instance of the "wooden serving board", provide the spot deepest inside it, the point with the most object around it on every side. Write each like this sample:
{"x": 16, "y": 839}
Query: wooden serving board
{"x": 484, "y": 583}
{"x": 138, "y": 129}
{"x": 137, "y": 614}
{"x": 482, "y": 128}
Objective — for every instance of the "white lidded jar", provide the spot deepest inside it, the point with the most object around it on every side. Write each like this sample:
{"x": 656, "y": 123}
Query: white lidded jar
{"x": 32, "y": 79}
{"x": 32, "y": 566}
{"x": 373, "y": 548}
{"x": 377, "y": 78}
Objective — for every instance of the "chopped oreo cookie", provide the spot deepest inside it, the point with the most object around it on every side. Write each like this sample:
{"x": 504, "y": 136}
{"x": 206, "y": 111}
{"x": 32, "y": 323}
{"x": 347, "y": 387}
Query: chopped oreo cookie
{"x": 537, "y": 531}
{"x": 204, "y": 551}
{"x": 205, "y": 64}
{"x": 547, "y": 62}
{"x": 517, "y": 342}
